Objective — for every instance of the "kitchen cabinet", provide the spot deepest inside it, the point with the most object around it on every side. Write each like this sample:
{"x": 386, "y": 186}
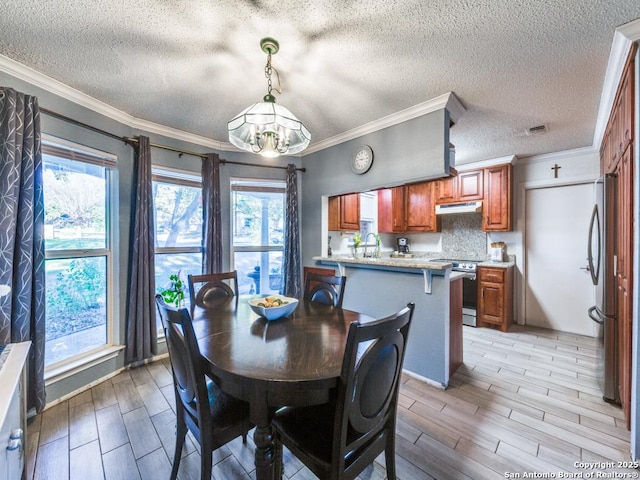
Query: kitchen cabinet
{"x": 496, "y": 210}
{"x": 420, "y": 212}
{"x": 495, "y": 297}
{"x": 616, "y": 157}
{"x": 624, "y": 278}
{"x": 619, "y": 131}
{"x": 391, "y": 210}
{"x": 470, "y": 185}
{"x": 344, "y": 212}
{"x": 455, "y": 325}
{"x": 464, "y": 187}
{"x": 446, "y": 190}
{"x": 407, "y": 209}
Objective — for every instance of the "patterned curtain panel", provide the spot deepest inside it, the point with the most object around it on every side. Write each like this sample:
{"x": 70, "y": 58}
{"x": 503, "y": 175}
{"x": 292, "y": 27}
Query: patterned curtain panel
{"x": 292, "y": 283}
{"x": 141, "y": 313}
{"x": 212, "y": 231}
{"x": 22, "y": 314}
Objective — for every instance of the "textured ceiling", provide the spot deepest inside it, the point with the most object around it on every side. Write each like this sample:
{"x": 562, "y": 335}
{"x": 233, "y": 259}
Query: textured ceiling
{"x": 194, "y": 64}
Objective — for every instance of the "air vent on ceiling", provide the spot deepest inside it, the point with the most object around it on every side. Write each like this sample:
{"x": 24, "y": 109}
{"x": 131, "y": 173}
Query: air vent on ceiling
{"x": 537, "y": 130}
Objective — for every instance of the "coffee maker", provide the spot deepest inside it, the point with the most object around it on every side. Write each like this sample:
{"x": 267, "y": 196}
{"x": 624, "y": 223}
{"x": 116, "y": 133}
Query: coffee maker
{"x": 403, "y": 245}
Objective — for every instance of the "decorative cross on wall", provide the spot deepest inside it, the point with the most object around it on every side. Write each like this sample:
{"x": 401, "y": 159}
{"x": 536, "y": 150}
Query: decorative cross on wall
{"x": 555, "y": 169}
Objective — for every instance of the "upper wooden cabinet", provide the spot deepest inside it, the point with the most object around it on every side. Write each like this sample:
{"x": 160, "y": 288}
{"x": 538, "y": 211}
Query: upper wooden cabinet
{"x": 446, "y": 190}
{"x": 408, "y": 208}
{"x": 464, "y": 187}
{"x": 471, "y": 185}
{"x": 496, "y": 210}
{"x": 391, "y": 210}
{"x": 420, "y": 208}
{"x": 344, "y": 212}
{"x": 619, "y": 132}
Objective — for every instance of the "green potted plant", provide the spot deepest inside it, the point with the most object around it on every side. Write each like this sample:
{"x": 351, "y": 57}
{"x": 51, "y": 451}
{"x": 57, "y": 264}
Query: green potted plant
{"x": 175, "y": 293}
{"x": 357, "y": 239}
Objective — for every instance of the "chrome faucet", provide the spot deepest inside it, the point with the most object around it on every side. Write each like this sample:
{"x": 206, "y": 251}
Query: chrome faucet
{"x": 364, "y": 254}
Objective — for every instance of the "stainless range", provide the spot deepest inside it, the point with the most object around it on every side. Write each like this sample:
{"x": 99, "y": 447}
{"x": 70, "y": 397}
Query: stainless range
{"x": 469, "y": 288}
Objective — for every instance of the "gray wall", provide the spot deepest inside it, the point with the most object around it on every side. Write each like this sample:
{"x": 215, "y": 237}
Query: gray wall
{"x": 409, "y": 152}
{"x": 380, "y": 292}
{"x": 412, "y": 151}
{"x": 124, "y": 153}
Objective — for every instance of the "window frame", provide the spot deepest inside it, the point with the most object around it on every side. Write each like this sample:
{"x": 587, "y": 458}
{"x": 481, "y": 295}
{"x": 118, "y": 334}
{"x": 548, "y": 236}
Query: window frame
{"x": 176, "y": 177}
{"x": 61, "y": 148}
{"x": 243, "y": 184}
{"x": 186, "y": 178}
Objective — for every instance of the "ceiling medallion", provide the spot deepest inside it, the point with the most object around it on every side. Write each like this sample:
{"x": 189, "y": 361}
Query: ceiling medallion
{"x": 266, "y": 127}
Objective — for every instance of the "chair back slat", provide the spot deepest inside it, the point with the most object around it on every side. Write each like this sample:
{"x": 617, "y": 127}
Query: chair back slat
{"x": 189, "y": 379}
{"x": 372, "y": 367}
{"x": 325, "y": 289}
{"x": 204, "y": 290}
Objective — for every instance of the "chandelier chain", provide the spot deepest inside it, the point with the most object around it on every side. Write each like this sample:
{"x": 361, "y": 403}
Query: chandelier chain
{"x": 268, "y": 70}
{"x": 267, "y": 73}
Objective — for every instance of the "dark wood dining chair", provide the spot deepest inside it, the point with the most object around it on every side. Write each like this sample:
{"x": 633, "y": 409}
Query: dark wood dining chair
{"x": 205, "y": 289}
{"x": 325, "y": 289}
{"x": 213, "y": 417}
{"x": 339, "y": 439}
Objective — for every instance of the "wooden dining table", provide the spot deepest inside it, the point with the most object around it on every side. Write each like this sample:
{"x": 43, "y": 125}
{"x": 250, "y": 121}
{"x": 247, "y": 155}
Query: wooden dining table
{"x": 292, "y": 361}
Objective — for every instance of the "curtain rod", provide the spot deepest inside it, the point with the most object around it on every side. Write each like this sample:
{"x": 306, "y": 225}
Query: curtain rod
{"x": 131, "y": 141}
{"x": 300, "y": 169}
{"x": 59, "y": 116}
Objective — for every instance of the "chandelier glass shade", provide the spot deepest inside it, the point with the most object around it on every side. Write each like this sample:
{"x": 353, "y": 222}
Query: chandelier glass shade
{"x": 265, "y": 127}
{"x": 268, "y": 129}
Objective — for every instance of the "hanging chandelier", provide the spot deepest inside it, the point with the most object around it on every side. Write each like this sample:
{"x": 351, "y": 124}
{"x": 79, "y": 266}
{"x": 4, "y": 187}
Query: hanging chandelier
{"x": 266, "y": 127}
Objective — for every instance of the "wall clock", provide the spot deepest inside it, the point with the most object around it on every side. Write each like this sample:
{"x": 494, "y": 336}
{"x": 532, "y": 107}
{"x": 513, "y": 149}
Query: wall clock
{"x": 362, "y": 159}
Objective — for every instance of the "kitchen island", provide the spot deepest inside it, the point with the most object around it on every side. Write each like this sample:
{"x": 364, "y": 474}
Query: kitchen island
{"x": 381, "y": 287}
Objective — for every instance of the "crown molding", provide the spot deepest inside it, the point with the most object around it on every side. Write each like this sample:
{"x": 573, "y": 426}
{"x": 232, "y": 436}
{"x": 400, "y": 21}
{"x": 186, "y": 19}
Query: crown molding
{"x": 490, "y": 162}
{"x": 623, "y": 38}
{"x": 38, "y": 79}
{"x": 60, "y": 89}
{"x": 561, "y": 155}
{"x": 447, "y": 100}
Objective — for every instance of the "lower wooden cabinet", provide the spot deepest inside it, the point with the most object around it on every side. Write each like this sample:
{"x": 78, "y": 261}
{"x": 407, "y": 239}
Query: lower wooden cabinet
{"x": 455, "y": 325}
{"x": 495, "y": 297}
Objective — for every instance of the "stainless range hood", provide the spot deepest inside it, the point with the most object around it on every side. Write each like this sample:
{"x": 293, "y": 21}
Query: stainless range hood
{"x": 465, "y": 207}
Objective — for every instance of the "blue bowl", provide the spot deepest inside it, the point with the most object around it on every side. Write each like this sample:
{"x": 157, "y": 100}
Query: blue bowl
{"x": 274, "y": 313}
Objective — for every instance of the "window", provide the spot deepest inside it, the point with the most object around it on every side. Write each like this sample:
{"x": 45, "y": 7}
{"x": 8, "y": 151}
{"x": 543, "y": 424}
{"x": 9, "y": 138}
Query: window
{"x": 257, "y": 212}
{"x": 78, "y": 257}
{"x": 177, "y": 204}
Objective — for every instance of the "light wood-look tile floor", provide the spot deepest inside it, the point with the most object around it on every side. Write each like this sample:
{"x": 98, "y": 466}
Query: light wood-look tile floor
{"x": 524, "y": 402}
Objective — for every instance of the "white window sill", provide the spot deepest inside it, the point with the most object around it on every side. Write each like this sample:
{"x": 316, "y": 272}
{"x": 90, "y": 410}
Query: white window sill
{"x": 78, "y": 364}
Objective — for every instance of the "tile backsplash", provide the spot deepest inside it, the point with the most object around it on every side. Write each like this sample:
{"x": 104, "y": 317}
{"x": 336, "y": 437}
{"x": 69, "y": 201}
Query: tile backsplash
{"x": 463, "y": 238}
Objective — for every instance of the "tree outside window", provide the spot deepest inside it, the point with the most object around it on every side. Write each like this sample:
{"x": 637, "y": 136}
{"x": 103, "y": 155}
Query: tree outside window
{"x": 77, "y": 251}
{"x": 177, "y": 206}
{"x": 258, "y": 234}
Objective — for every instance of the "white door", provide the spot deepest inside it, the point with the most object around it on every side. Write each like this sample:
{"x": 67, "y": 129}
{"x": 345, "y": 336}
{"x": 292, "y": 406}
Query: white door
{"x": 558, "y": 290}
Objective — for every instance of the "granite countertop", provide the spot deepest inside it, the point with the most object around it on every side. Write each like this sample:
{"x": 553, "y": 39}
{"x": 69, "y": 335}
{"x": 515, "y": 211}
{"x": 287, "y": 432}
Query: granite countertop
{"x": 490, "y": 263}
{"x": 419, "y": 262}
{"x": 414, "y": 262}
